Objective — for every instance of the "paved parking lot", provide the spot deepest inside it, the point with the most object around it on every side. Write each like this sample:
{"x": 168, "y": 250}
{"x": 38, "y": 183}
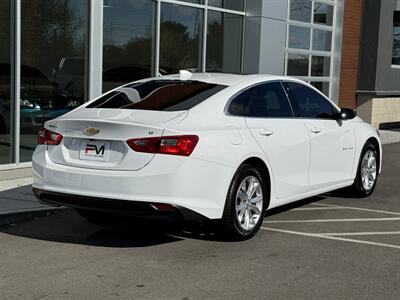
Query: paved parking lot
{"x": 328, "y": 247}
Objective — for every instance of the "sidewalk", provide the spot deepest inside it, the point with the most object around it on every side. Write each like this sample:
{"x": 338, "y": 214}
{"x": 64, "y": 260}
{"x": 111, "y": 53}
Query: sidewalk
{"x": 17, "y": 202}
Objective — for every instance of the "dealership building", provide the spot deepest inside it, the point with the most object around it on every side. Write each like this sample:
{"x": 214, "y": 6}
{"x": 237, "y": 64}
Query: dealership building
{"x": 57, "y": 54}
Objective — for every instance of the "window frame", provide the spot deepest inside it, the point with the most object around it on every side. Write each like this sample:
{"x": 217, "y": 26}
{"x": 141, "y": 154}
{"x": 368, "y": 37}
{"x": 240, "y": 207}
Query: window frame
{"x": 314, "y": 27}
{"x": 234, "y": 96}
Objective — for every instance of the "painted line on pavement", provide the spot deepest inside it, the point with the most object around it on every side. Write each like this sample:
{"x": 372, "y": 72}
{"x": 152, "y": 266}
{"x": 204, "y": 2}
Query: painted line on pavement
{"x": 331, "y": 237}
{"x": 360, "y": 208}
{"x": 361, "y": 233}
{"x": 335, "y": 220}
{"x": 317, "y": 208}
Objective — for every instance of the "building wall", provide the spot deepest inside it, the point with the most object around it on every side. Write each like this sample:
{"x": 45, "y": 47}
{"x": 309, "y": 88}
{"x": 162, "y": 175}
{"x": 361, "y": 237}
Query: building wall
{"x": 300, "y": 38}
{"x": 369, "y": 45}
{"x": 68, "y": 52}
{"x": 387, "y": 77}
{"x": 378, "y": 87}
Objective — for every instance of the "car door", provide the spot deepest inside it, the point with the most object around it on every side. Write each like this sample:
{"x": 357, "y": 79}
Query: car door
{"x": 283, "y": 139}
{"x": 332, "y": 140}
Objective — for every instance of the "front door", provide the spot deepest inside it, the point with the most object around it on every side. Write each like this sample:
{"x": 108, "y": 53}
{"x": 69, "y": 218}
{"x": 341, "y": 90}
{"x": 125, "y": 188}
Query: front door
{"x": 332, "y": 140}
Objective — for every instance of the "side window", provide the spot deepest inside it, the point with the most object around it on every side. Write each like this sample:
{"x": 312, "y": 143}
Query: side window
{"x": 307, "y": 103}
{"x": 236, "y": 107}
{"x": 265, "y": 100}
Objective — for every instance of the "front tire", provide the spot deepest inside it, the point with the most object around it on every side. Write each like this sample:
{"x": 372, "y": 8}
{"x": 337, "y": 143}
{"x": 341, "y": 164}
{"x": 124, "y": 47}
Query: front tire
{"x": 367, "y": 172}
{"x": 245, "y": 204}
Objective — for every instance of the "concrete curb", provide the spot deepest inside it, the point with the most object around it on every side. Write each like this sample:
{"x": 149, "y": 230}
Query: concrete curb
{"x": 8, "y": 218}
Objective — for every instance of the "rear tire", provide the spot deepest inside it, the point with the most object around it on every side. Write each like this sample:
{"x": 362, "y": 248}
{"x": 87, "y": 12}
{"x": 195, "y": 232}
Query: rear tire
{"x": 367, "y": 172}
{"x": 245, "y": 204}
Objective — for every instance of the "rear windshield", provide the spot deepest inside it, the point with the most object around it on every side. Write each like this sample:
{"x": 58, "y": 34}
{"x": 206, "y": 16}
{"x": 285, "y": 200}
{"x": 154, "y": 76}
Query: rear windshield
{"x": 167, "y": 95}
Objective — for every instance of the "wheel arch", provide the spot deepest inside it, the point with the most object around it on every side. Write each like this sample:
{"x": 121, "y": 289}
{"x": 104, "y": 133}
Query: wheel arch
{"x": 260, "y": 165}
{"x": 376, "y": 144}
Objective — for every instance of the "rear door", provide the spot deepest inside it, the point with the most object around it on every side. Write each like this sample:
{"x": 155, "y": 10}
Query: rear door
{"x": 283, "y": 138}
{"x": 332, "y": 140}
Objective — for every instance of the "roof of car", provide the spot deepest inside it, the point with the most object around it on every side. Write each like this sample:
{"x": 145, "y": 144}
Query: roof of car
{"x": 224, "y": 78}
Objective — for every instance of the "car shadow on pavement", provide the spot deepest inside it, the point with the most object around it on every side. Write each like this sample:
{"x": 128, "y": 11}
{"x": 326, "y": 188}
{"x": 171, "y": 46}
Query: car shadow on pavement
{"x": 66, "y": 226}
{"x": 286, "y": 207}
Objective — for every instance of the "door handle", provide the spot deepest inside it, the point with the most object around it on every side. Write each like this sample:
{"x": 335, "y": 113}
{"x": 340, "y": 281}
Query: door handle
{"x": 266, "y": 132}
{"x": 315, "y": 130}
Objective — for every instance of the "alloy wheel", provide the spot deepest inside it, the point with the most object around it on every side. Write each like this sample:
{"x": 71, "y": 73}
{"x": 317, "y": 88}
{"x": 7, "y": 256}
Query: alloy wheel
{"x": 249, "y": 202}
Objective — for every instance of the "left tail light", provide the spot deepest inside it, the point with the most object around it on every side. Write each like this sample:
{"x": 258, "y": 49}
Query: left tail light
{"x": 48, "y": 137}
{"x": 175, "y": 145}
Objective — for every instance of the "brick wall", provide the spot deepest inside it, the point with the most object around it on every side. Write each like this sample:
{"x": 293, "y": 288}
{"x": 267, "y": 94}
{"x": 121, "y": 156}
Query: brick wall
{"x": 350, "y": 53}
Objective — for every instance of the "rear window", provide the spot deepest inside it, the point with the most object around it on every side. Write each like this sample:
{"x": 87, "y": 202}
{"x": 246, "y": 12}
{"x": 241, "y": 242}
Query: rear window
{"x": 166, "y": 95}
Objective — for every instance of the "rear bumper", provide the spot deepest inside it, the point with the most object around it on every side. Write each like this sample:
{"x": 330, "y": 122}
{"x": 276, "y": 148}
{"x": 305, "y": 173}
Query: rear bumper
{"x": 115, "y": 206}
{"x": 183, "y": 182}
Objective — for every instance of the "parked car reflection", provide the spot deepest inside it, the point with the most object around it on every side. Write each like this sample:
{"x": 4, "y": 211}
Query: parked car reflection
{"x": 41, "y": 99}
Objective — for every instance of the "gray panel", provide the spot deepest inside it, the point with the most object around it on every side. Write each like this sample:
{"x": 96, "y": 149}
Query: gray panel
{"x": 274, "y": 9}
{"x": 368, "y": 45}
{"x": 272, "y": 48}
{"x": 387, "y": 78}
{"x": 251, "y": 55}
{"x": 254, "y": 8}
{"x": 265, "y": 22}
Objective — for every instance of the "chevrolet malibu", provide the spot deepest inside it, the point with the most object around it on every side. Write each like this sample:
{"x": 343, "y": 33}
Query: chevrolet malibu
{"x": 204, "y": 146}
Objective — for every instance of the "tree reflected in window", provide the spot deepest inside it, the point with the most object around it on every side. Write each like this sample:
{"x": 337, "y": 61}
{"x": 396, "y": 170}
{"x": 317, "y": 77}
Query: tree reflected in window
{"x": 180, "y": 38}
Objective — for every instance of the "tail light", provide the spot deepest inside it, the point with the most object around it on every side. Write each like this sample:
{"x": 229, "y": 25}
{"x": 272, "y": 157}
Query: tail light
{"x": 175, "y": 145}
{"x": 48, "y": 137}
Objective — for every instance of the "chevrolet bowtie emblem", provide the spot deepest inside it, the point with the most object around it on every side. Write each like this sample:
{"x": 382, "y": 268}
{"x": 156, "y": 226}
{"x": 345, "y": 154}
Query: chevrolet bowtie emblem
{"x": 90, "y": 131}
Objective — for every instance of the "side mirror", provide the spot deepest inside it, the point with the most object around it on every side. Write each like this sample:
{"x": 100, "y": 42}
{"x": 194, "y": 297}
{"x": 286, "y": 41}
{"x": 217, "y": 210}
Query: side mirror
{"x": 347, "y": 114}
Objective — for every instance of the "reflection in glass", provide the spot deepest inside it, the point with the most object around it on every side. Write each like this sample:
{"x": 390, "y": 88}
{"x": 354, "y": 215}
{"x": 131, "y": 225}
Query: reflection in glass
{"x": 299, "y": 37}
{"x": 323, "y": 13}
{"x": 322, "y": 40}
{"x": 396, "y": 38}
{"x": 5, "y": 83}
{"x": 52, "y": 64}
{"x": 127, "y": 41}
{"x": 224, "y": 44}
{"x": 180, "y": 38}
{"x": 300, "y": 10}
{"x": 322, "y": 86}
{"x": 320, "y": 66}
{"x": 192, "y": 1}
{"x": 297, "y": 64}
{"x": 227, "y": 4}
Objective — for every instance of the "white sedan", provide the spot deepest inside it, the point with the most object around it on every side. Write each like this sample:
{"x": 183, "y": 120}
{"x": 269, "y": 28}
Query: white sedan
{"x": 204, "y": 146}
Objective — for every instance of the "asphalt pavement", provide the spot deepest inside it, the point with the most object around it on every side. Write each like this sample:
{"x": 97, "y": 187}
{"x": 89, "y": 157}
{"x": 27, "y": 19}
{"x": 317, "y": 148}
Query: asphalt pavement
{"x": 327, "y": 247}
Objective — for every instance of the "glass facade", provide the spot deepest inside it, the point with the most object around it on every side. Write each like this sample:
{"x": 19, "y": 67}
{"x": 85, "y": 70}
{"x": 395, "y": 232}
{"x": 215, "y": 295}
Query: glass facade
{"x": 6, "y": 109}
{"x": 224, "y": 45}
{"x": 133, "y": 39}
{"x": 309, "y": 43}
{"x": 181, "y": 34}
{"x": 396, "y": 38}
{"x": 53, "y": 40}
{"x": 227, "y": 4}
{"x": 128, "y": 39}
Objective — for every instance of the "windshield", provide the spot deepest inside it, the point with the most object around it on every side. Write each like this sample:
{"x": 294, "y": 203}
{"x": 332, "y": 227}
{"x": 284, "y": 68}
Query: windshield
{"x": 167, "y": 95}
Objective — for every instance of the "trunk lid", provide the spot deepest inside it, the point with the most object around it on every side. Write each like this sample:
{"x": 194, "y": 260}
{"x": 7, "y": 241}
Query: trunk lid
{"x": 96, "y": 138}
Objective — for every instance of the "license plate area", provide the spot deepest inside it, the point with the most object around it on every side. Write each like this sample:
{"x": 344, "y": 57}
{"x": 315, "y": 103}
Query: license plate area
{"x": 95, "y": 150}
